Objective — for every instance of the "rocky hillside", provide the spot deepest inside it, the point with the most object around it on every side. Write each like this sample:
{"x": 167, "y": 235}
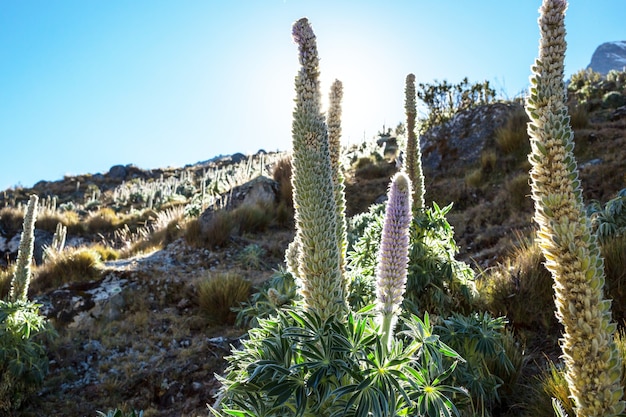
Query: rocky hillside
{"x": 137, "y": 328}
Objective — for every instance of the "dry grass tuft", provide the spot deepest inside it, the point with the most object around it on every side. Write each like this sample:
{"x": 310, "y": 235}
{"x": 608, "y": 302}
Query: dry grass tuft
{"x": 282, "y": 175}
{"x": 518, "y": 286}
{"x": 11, "y": 219}
{"x": 474, "y": 178}
{"x": 579, "y": 116}
{"x": 219, "y": 293}
{"x": 69, "y": 266}
{"x": 102, "y": 221}
{"x": 6, "y": 275}
{"x": 614, "y": 254}
{"x": 518, "y": 193}
{"x": 512, "y": 138}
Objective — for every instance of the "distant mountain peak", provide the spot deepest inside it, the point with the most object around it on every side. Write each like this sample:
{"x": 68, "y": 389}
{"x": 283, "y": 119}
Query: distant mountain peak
{"x": 609, "y": 56}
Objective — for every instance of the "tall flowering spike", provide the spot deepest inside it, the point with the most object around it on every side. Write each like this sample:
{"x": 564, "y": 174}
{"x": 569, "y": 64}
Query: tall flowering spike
{"x": 318, "y": 251}
{"x": 21, "y": 278}
{"x": 393, "y": 256}
{"x": 334, "y": 141}
{"x": 593, "y": 369}
{"x": 413, "y": 157}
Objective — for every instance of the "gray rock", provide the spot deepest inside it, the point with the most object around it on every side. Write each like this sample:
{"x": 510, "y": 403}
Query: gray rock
{"x": 458, "y": 143}
{"x": 118, "y": 172}
{"x": 609, "y": 56}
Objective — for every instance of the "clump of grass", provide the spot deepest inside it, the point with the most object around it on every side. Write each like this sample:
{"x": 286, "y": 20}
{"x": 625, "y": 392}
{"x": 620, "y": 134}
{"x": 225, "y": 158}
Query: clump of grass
{"x": 6, "y": 274}
{"x": 213, "y": 233}
{"x": 488, "y": 160}
{"x": 73, "y": 265}
{"x": 11, "y": 219}
{"x": 106, "y": 253}
{"x": 519, "y": 285}
{"x": 579, "y": 116}
{"x": 474, "y": 178}
{"x": 512, "y": 138}
{"x": 252, "y": 218}
{"x": 282, "y": 175}
{"x": 518, "y": 192}
{"x": 550, "y": 384}
{"x": 218, "y": 294}
{"x": 105, "y": 220}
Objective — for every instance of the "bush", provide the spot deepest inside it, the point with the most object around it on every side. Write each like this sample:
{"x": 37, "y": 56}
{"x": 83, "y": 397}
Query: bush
{"x": 491, "y": 357}
{"x": 23, "y": 360}
{"x": 436, "y": 282}
{"x": 219, "y": 294}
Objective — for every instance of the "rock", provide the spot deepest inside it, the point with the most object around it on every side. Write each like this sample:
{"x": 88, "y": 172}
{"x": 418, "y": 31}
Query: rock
{"x": 458, "y": 143}
{"x": 237, "y": 158}
{"x": 118, "y": 172}
{"x": 609, "y": 56}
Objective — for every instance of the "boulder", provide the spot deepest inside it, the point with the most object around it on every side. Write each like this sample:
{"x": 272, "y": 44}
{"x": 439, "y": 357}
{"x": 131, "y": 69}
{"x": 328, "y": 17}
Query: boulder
{"x": 117, "y": 172}
{"x": 458, "y": 143}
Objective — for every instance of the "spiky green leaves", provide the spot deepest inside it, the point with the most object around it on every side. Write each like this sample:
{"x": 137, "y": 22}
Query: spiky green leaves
{"x": 572, "y": 254}
{"x": 21, "y": 278}
{"x": 318, "y": 251}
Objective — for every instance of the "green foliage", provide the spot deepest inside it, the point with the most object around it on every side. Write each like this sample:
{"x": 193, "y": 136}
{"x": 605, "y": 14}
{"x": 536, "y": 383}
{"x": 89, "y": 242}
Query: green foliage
{"x": 220, "y": 293}
{"x": 119, "y": 413}
{"x": 436, "y": 282}
{"x": 444, "y": 100}
{"x": 488, "y": 350}
{"x": 590, "y": 87}
{"x": 609, "y": 220}
{"x": 280, "y": 290}
{"x": 299, "y": 364}
{"x": 23, "y": 360}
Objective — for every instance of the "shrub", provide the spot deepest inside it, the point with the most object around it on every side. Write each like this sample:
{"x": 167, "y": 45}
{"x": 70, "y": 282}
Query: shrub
{"x": 220, "y": 293}
{"x": 488, "y": 351}
{"x": 436, "y": 282}
{"x": 613, "y": 100}
{"x": 23, "y": 360}
{"x": 608, "y": 220}
{"x": 579, "y": 116}
{"x": 70, "y": 266}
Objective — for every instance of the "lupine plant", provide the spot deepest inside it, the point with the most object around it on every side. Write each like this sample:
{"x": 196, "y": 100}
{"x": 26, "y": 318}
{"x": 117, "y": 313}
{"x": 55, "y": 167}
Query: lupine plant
{"x": 413, "y": 165}
{"x": 593, "y": 369}
{"x": 318, "y": 358}
{"x": 23, "y": 361}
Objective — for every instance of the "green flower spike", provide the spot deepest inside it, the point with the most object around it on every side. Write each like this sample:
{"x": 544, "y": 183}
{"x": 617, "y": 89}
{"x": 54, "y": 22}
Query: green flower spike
{"x": 593, "y": 369}
{"x": 413, "y": 157}
{"x": 318, "y": 250}
{"x": 21, "y": 278}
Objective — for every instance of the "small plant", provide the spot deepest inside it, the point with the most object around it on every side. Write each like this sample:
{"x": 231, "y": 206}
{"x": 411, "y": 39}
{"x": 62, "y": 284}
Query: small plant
{"x": 216, "y": 232}
{"x": 278, "y": 292}
{"x": 218, "y": 294}
{"x": 609, "y": 220}
{"x": 251, "y": 257}
{"x": 119, "y": 413}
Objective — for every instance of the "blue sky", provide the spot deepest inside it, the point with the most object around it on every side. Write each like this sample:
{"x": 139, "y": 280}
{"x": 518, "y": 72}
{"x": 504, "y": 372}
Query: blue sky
{"x": 88, "y": 84}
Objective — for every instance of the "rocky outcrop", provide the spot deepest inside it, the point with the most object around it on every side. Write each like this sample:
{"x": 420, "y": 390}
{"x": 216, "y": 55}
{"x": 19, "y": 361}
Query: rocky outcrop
{"x": 609, "y": 56}
{"x": 458, "y": 143}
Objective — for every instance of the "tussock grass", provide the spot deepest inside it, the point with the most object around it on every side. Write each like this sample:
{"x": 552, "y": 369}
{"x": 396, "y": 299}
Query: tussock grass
{"x": 521, "y": 289}
{"x": 11, "y": 219}
{"x": 72, "y": 265}
{"x": 6, "y": 275}
{"x": 219, "y": 293}
{"x": 512, "y": 138}
{"x": 282, "y": 175}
